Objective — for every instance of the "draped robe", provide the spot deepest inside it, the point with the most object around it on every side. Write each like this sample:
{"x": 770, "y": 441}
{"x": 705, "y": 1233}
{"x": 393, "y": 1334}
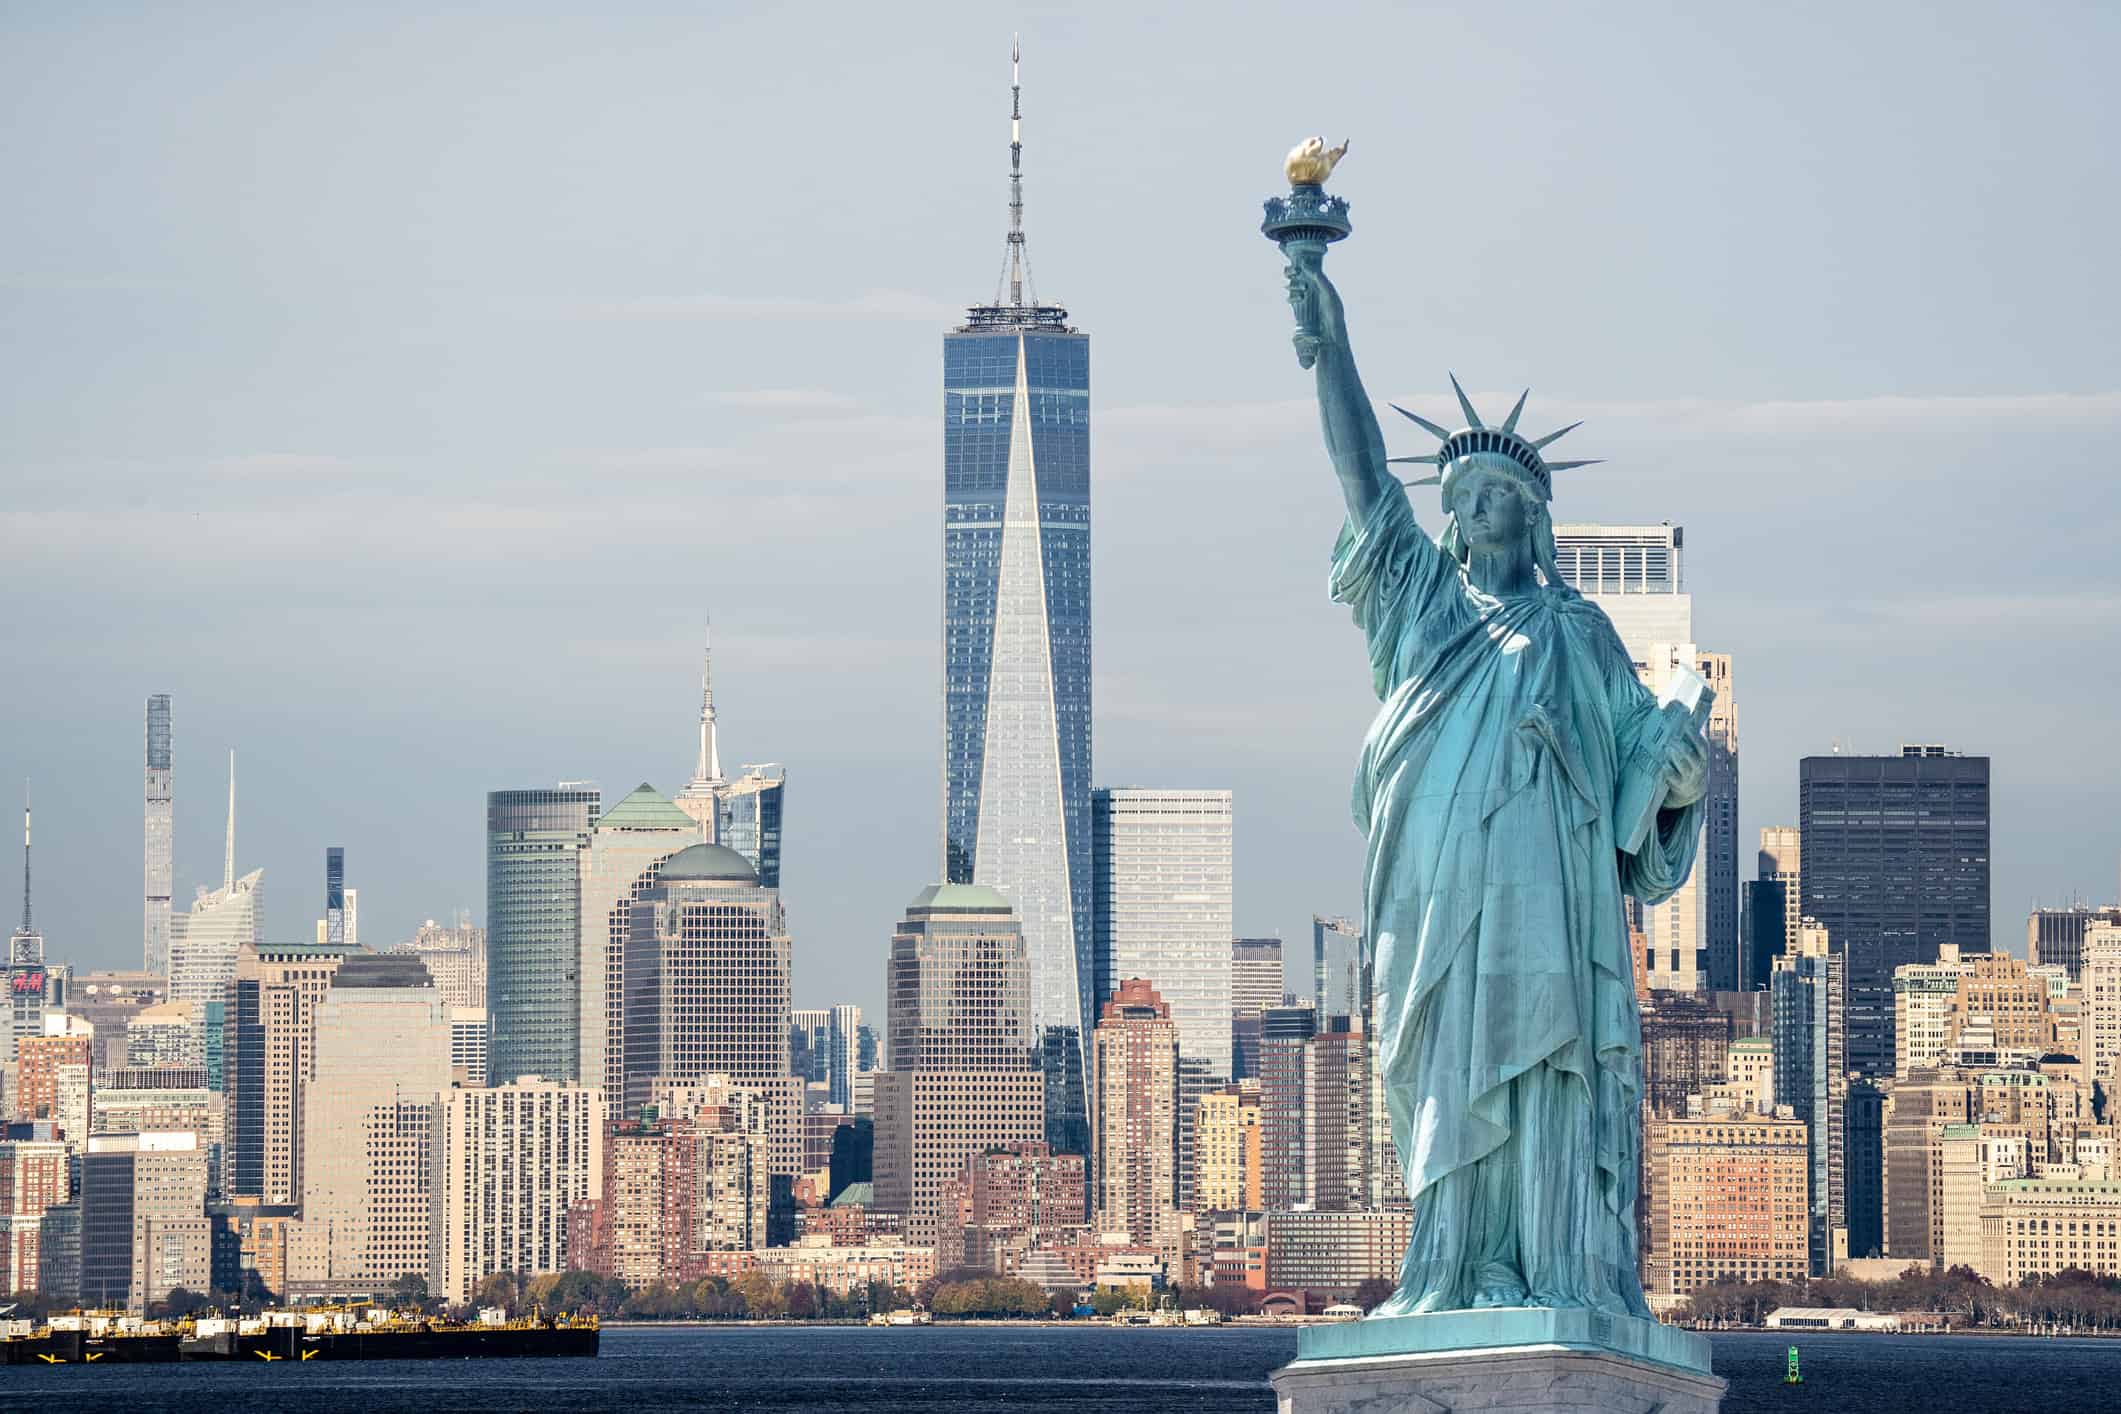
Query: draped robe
{"x": 1507, "y": 1028}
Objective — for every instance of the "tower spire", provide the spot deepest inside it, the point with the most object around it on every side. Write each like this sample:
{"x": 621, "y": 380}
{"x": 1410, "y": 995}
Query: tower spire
{"x": 228, "y": 856}
{"x": 708, "y": 770}
{"x": 1017, "y": 264}
{"x": 25, "y": 859}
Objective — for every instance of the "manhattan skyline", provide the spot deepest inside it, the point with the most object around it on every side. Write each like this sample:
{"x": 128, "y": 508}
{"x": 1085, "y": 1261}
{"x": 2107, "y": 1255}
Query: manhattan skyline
{"x": 409, "y": 440}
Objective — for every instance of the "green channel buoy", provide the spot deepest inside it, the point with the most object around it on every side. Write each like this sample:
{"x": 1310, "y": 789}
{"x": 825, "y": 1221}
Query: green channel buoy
{"x": 1792, "y": 1377}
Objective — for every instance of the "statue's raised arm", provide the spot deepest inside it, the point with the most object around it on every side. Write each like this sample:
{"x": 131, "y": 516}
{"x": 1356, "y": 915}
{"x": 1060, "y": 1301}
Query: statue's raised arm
{"x": 1303, "y": 224}
{"x": 1353, "y": 439}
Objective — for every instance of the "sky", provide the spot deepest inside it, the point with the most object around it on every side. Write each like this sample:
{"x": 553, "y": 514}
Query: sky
{"x": 401, "y": 387}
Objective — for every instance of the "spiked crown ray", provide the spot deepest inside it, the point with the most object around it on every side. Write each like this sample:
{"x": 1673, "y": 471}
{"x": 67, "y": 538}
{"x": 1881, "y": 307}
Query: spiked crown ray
{"x": 1504, "y": 440}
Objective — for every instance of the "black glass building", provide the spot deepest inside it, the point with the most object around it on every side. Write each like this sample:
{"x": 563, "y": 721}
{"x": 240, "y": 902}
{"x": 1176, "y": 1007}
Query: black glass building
{"x": 1895, "y": 864}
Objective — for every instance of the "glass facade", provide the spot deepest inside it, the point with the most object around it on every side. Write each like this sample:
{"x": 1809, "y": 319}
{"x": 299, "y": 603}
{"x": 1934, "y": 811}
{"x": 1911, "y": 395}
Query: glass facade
{"x": 1016, "y": 647}
{"x": 154, "y": 946}
{"x": 1895, "y": 863}
{"x": 533, "y": 904}
{"x": 749, "y": 819}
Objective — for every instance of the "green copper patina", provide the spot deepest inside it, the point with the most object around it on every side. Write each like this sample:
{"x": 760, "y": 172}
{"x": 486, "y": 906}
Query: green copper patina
{"x": 1516, "y": 784}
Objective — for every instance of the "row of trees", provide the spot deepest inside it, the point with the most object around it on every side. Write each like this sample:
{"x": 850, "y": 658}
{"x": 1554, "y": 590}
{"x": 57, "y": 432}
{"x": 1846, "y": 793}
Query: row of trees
{"x": 2070, "y": 1298}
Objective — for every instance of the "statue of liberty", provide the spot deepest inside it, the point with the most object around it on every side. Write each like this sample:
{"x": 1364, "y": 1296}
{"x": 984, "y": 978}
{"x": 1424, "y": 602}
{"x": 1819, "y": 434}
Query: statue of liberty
{"x": 1517, "y": 782}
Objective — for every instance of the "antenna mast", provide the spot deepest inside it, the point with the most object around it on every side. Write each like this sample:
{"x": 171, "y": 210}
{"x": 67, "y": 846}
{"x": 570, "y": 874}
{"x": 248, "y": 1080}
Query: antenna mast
{"x": 228, "y": 856}
{"x": 1016, "y": 173}
{"x": 25, "y": 857}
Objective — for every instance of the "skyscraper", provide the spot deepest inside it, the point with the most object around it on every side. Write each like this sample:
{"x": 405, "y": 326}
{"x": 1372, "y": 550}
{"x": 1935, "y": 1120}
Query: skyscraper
{"x": 28, "y": 982}
{"x": 962, "y": 1076}
{"x": 513, "y": 1160}
{"x": 1718, "y": 866}
{"x": 533, "y": 922}
{"x": 1340, "y": 980}
{"x": 161, "y": 838}
{"x": 1812, "y": 1078}
{"x": 268, "y": 1058}
{"x": 1255, "y": 975}
{"x": 627, "y": 847}
{"x": 1636, "y": 574}
{"x": 1895, "y": 863}
{"x": 1163, "y": 906}
{"x": 706, "y": 989}
{"x": 204, "y": 942}
{"x": 372, "y": 1123}
{"x": 1137, "y": 1046}
{"x": 335, "y": 897}
{"x": 1016, "y": 638}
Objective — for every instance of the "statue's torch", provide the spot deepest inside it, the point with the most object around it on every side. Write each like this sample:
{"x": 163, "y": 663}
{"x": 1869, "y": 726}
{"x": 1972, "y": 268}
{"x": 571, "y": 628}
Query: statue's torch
{"x": 1305, "y": 222}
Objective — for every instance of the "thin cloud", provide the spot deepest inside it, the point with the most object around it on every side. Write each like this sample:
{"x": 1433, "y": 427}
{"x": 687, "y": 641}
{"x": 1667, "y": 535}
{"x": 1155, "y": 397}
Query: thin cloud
{"x": 806, "y": 400}
{"x": 872, "y": 304}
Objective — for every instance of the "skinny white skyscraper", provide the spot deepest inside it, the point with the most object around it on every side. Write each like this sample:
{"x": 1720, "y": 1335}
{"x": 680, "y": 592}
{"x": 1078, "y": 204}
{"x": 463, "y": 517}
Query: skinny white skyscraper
{"x": 161, "y": 838}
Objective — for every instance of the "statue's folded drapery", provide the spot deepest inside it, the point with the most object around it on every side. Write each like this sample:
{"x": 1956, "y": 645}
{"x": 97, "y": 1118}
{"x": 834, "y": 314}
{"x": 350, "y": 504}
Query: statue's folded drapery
{"x": 1507, "y": 1027}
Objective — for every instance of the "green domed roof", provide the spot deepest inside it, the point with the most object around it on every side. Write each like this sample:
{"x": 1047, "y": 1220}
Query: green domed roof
{"x": 708, "y": 862}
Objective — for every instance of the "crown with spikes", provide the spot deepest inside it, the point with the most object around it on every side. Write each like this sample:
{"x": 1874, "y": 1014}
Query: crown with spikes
{"x": 1502, "y": 441}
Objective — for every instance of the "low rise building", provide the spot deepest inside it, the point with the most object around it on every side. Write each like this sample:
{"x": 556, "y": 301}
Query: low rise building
{"x": 1334, "y": 1252}
{"x": 2035, "y": 1227}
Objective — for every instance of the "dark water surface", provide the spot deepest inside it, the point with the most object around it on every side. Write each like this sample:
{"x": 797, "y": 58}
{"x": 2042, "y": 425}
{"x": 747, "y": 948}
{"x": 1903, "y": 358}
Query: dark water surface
{"x": 1038, "y": 1370}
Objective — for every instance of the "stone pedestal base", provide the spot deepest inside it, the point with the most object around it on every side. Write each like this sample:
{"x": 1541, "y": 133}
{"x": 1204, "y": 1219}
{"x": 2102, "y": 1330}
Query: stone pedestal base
{"x": 1520, "y": 1360}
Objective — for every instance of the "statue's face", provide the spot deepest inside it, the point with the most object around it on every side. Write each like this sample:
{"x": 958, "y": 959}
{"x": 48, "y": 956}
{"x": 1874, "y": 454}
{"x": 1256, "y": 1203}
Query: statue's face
{"x": 1490, "y": 509}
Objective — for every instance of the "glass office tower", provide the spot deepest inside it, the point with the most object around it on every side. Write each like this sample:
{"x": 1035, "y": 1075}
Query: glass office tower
{"x": 533, "y": 929}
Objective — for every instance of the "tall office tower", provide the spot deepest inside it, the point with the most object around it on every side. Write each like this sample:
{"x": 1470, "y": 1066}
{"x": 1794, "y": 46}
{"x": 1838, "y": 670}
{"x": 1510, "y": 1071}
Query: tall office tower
{"x": 1016, "y": 641}
{"x": 455, "y": 956}
{"x": 963, "y": 1074}
{"x": 1773, "y": 902}
{"x": 533, "y": 928}
{"x": 1337, "y": 1129}
{"x": 1811, "y": 1077}
{"x": 353, "y": 919}
{"x": 627, "y": 847}
{"x": 2055, "y": 936}
{"x": 1161, "y": 862}
{"x": 514, "y": 1159}
{"x": 268, "y": 1060}
{"x": 825, "y": 1048}
{"x": 2102, "y": 1006}
{"x": 371, "y": 1122}
{"x": 1923, "y": 993}
{"x": 35, "y": 1176}
{"x": 144, "y": 1230}
{"x": 1726, "y": 1200}
{"x": 1136, "y": 1046}
{"x": 750, "y": 819}
{"x": 1255, "y": 975}
{"x": 335, "y": 897}
{"x": 29, "y": 983}
{"x": 1285, "y": 1034}
{"x": 1924, "y": 1103}
{"x": 204, "y": 942}
{"x": 1718, "y": 866}
{"x": 161, "y": 840}
{"x": 1340, "y": 975}
{"x": 1895, "y": 864}
{"x": 707, "y": 979}
{"x": 1636, "y": 574}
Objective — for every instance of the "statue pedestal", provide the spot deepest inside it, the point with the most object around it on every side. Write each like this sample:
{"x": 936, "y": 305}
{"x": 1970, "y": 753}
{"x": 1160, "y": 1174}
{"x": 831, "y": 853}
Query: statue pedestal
{"x": 1510, "y": 1358}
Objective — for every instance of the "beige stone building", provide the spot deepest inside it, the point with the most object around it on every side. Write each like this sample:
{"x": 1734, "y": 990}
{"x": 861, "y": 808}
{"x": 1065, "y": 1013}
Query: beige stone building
{"x": 620, "y": 863}
{"x": 144, "y": 1230}
{"x": 1921, "y": 1108}
{"x": 1728, "y": 1197}
{"x": 268, "y": 1058}
{"x": 371, "y": 1125}
{"x": 2040, "y": 1226}
{"x": 1226, "y": 1175}
{"x": 2101, "y": 1024}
